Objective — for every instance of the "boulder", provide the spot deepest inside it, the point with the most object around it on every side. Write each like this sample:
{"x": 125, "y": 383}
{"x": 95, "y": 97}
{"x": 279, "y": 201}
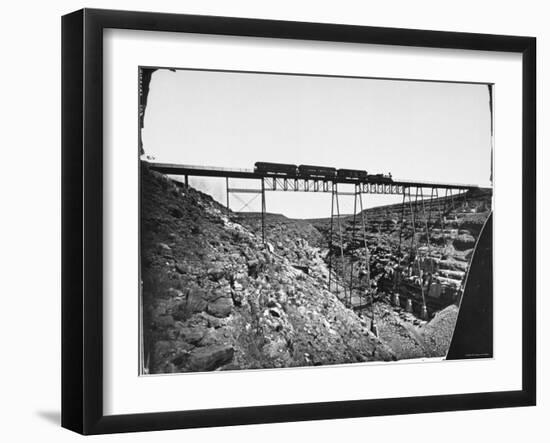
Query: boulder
{"x": 253, "y": 268}
{"x": 175, "y": 212}
{"x": 237, "y": 286}
{"x": 216, "y": 273}
{"x": 191, "y": 335}
{"x": 215, "y": 294}
{"x": 210, "y": 357}
{"x": 221, "y": 307}
{"x": 164, "y": 321}
{"x": 237, "y": 297}
{"x": 181, "y": 268}
{"x": 282, "y": 296}
{"x": 195, "y": 302}
{"x": 174, "y": 292}
{"x": 165, "y": 250}
{"x": 452, "y": 265}
{"x": 276, "y": 349}
{"x": 464, "y": 241}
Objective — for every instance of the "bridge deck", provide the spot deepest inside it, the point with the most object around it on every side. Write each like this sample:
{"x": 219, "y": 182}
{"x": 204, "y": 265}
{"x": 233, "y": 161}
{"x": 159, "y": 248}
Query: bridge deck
{"x": 205, "y": 171}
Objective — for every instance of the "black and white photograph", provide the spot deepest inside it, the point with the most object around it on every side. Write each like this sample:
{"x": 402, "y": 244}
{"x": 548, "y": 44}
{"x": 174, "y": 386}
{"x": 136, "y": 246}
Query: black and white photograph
{"x": 299, "y": 220}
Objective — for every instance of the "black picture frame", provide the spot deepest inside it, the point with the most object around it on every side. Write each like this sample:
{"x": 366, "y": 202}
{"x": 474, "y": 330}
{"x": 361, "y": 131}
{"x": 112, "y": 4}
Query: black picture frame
{"x": 82, "y": 215}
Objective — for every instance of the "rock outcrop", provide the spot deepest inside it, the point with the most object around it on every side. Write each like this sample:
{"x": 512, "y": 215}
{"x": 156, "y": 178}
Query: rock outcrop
{"x": 433, "y": 247}
{"x": 214, "y": 298}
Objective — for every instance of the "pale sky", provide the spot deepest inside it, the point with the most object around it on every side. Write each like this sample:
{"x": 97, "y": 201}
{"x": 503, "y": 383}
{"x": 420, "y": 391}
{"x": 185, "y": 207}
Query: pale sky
{"x": 415, "y": 130}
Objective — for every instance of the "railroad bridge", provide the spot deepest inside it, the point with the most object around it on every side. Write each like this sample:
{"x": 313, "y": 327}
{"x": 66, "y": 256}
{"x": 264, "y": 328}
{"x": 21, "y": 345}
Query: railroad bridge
{"x": 417, "y": 208}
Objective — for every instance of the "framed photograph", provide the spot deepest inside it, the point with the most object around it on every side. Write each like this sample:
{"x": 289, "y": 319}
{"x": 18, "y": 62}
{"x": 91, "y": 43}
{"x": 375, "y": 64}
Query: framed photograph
{"x": 268, "y": 221}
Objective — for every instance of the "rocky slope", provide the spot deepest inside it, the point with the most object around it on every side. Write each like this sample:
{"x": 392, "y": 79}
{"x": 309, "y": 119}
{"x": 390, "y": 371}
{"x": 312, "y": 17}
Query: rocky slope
{"x": 215, "y": 298}
{"x": 438, "y": 246}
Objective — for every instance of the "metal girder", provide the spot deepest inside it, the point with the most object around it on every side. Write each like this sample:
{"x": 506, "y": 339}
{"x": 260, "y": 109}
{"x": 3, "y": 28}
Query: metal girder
{"x": 297, "y": 184}
{"x": 319, "y": 185}
{"x": 245, "y": 204}
{"x": 244, "y": 191}
{"x": 381, "y": 188}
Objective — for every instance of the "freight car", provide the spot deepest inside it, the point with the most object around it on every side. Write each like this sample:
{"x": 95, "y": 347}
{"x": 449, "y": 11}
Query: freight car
{"x": 275, "y": 168}
{"x": 354, "y": 174}
{"x": 317, "y": 171}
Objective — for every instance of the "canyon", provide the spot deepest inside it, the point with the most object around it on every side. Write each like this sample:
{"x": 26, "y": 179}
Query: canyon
{"x": 216, "y": 297}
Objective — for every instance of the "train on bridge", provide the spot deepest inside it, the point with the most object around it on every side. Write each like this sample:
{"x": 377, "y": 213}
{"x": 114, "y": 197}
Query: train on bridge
{"x": 319, "y": 172}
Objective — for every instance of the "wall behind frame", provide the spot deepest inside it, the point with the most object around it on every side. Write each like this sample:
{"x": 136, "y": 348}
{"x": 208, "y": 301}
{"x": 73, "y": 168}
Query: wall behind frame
{"x": 30, "y": 328}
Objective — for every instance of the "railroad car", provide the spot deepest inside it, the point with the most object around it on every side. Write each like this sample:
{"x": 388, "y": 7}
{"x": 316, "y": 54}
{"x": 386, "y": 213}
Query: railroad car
{"x": 355, "y": 174}
{"x": 275, "y": 168}
{"x": 317, "y": 171}
{"x": 380, "y": 178}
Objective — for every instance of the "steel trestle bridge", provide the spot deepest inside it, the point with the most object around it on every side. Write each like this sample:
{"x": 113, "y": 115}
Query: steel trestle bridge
{"x": 414, "y": 194}
{"x": 284, "y": 182}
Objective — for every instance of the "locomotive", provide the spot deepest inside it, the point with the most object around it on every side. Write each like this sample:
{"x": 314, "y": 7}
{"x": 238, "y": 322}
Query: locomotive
{"x": 322, "y": 172}
{"x": 381, "y": 178}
